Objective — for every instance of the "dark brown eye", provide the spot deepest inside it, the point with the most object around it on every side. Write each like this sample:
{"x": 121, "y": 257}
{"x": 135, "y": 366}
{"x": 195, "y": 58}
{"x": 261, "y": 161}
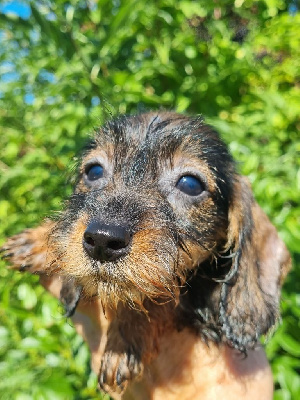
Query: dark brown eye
{"x": 190, "y": 185}
{"x": 94, "y": 172}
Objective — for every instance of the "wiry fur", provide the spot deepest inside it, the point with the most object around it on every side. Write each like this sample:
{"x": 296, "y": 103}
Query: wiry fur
{"x": 213, "y": 262}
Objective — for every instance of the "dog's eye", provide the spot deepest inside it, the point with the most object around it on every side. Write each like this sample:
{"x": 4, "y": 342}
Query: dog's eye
{"x": 94, "y": 172}
{"x": 190, "y": 185}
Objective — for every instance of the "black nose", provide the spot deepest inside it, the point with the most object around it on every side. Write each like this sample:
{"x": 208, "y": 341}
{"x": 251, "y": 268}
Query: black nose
{"x": 106, "y": 242}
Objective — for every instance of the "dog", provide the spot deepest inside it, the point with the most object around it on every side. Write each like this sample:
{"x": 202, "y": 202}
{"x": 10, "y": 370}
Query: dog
{"x": 165, "y": 262}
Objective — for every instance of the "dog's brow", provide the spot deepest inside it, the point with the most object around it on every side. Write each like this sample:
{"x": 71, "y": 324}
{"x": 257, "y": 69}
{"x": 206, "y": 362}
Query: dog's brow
{"x": 91, "y": 145}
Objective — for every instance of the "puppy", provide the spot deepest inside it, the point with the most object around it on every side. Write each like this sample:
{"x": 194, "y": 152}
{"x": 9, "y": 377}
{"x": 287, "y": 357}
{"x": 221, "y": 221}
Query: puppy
{"x": 169, "y": 267}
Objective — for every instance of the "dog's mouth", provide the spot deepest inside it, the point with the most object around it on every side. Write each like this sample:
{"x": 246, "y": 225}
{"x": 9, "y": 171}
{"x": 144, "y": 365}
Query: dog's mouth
{"x": 113, "y": 266}
{"x": 133, "y": 277}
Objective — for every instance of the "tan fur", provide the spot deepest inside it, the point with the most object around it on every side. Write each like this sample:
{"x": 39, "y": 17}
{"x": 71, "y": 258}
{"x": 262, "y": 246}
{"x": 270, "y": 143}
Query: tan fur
{"x": 185, "y": 367}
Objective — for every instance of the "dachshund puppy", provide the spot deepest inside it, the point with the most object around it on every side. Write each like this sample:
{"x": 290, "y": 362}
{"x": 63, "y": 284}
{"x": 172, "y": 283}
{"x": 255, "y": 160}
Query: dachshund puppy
{"x": 170, "y": 269}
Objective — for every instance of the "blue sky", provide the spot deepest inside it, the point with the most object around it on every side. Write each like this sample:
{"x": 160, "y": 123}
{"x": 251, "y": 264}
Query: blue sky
{"x": 20, "y": 8}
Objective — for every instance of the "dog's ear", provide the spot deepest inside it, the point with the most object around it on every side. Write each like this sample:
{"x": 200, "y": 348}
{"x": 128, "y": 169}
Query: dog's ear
{"x": 249, "y": 303}
{"x": 70, "y": 295}
{"x": 29, "y": 250}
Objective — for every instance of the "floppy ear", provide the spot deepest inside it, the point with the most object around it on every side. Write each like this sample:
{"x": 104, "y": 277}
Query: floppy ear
{"x": 31, "y": 251}
{"x": 70, "y": 294}
{"x": 249, "y": 303}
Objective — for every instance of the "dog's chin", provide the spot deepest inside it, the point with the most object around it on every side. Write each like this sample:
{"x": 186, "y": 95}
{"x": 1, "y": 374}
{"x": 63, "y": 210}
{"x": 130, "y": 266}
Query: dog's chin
{"x": 113, "y": 284}
{"x": 112, "y": 294}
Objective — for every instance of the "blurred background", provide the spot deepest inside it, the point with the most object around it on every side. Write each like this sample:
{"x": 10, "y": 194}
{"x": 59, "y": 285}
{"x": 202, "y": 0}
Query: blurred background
{"x": 67, "y": 66}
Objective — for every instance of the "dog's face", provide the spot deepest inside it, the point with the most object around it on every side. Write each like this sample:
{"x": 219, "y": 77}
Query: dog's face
{"x": 159, "y": 213}
{"x": 151, "y": 204}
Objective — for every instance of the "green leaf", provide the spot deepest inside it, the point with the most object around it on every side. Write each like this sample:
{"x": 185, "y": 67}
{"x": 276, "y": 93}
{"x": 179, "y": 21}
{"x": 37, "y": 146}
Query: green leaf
{"x": 27, "y": 295}
{"x": 290, "y": 345}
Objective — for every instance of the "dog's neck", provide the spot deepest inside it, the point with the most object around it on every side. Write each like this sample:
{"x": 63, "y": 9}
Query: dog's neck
{"x": 188, "y": 368}
{"x": 185, "y": 366}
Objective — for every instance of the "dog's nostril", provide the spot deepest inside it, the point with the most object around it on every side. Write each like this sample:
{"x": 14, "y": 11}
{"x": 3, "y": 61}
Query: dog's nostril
{"x": 116, "y": 245}
{"x": 89, "y": 240}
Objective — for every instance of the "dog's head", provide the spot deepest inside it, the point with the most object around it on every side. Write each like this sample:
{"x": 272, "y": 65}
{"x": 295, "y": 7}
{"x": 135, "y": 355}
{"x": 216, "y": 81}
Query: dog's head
{"x": 159, "y": 212}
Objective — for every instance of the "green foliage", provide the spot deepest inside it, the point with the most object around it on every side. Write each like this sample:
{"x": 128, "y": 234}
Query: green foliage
{"x": 71, "y": 65}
